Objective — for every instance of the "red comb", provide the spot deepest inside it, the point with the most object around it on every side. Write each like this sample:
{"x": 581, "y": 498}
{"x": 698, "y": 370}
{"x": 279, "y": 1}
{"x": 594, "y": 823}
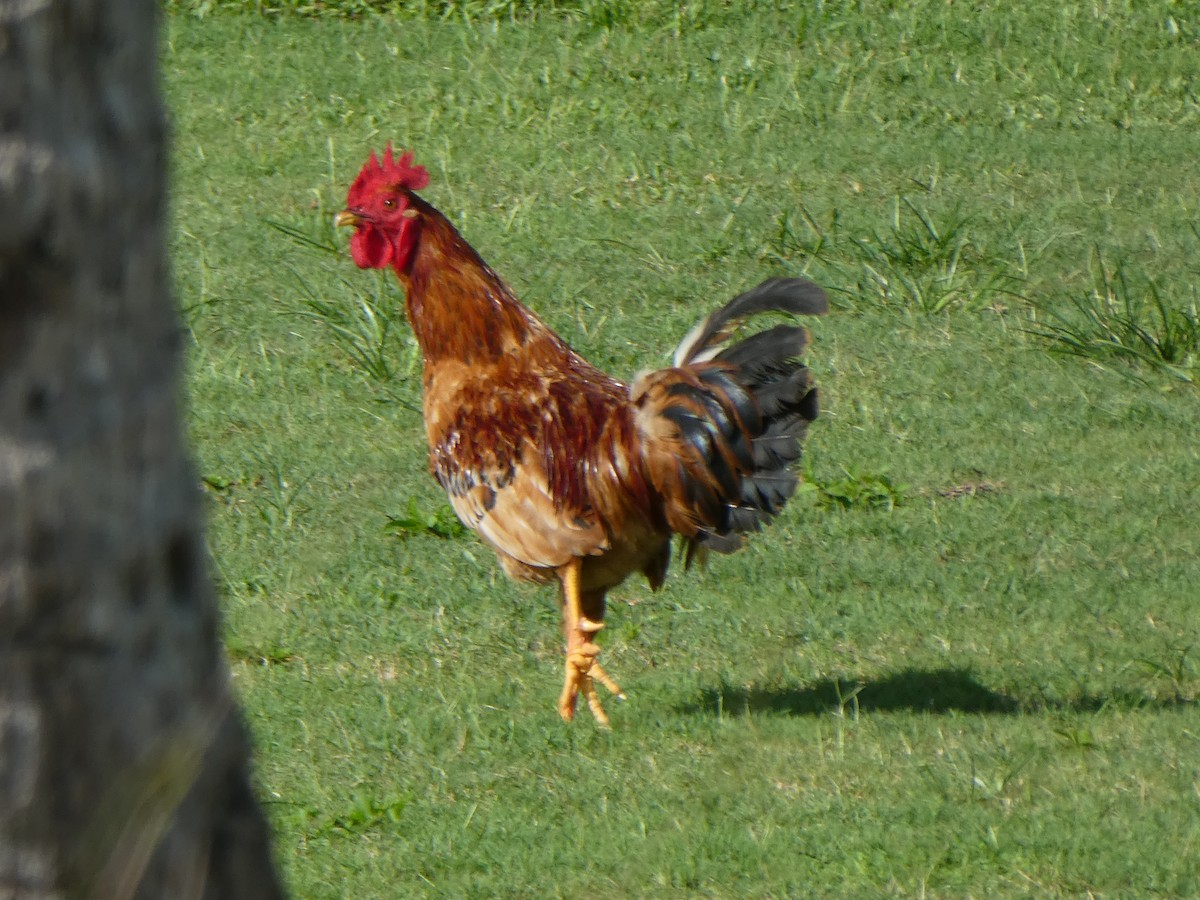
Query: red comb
{"x": 388, "y": 172}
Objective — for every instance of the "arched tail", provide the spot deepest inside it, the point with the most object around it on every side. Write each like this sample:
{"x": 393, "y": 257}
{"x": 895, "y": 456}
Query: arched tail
{"x": 722, "y": 430}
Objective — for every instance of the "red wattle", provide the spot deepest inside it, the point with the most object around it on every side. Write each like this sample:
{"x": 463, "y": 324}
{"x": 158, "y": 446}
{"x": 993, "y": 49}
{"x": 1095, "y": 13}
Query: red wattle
{"x": 370, "y": 248}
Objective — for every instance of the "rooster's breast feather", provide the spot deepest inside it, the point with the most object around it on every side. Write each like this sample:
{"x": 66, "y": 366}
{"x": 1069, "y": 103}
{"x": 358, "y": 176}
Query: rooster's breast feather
{"x": 509, "y": 445}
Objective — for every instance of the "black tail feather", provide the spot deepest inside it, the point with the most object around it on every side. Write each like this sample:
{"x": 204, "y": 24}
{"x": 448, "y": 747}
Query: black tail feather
{"x": 758, "y": 398}
{"x": 797, "y": 296}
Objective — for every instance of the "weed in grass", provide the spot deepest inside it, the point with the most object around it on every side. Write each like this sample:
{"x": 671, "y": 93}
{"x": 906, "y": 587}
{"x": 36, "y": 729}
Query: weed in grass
{"x": 1078, "y": 738}
{"x": 922, "y": 263}
{"x": 855, "y": 489}
{"x": 1127, "y": 318}
{"x": 278, "y": 499}
{"x": 368, "y": 325}
{"x": 1176, "y": 666}
{"x": 365, "y": 813}
{"x": 812, "y": 242}
{"x": 917, "y": 264}
{"x": 219, "y": 486}
{"x": 258, "y": 654}
{"x": 441, "y": 523}
{"x": 365, "y": 326}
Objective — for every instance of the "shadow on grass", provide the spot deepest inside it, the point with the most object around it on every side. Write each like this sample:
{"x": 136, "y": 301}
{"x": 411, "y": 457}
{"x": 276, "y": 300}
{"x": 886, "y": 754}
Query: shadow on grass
{"x": 941, "y": 691}
{"x": 917, "y": 690}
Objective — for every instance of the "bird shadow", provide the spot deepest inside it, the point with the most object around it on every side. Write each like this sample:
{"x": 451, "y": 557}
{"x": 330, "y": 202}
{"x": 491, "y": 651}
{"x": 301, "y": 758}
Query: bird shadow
{"x": 940, "y": 690}
{"x": 914, "y": 690}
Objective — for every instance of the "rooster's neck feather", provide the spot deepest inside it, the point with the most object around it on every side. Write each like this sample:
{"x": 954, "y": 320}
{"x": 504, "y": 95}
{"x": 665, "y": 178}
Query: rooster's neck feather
{"x": 458, "y": 307}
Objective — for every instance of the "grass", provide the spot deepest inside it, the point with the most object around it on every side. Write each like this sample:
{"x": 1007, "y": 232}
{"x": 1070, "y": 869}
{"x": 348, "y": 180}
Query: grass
{"x": 961, "y": 664}
{"x": 1128, "y": 322}
{"x": 918, "y": 263}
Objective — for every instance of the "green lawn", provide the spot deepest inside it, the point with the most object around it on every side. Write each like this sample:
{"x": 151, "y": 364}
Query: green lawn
{"x": 964, "y": 663}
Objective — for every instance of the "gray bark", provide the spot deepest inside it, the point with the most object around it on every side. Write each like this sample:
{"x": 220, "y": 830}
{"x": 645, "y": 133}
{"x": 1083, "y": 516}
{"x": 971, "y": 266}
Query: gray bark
{"x": 123, "y": 763}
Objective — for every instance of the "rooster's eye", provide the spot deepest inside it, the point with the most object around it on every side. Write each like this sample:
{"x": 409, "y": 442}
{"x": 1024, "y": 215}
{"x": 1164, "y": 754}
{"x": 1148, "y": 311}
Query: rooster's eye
{"x": 389, "y": 204}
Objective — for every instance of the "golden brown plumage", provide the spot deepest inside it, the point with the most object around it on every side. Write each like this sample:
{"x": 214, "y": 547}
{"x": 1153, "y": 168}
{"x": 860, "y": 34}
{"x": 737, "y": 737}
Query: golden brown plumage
{"x": 564, "y": 471}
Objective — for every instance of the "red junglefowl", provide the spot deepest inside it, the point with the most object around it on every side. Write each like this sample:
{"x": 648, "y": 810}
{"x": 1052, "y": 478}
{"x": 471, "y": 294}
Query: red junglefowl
{"x": 568, "y": 473}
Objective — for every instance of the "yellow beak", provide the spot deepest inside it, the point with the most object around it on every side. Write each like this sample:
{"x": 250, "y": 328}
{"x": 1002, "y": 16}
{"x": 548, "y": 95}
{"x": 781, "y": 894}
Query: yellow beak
{"x": 345, "y": 217}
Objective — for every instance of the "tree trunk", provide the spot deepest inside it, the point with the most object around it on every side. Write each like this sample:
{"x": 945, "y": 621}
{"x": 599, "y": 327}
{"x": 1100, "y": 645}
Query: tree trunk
{"x": 123, "y": 763}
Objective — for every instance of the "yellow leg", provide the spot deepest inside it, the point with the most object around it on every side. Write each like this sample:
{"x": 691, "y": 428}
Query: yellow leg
{"x": 582, "y": 670}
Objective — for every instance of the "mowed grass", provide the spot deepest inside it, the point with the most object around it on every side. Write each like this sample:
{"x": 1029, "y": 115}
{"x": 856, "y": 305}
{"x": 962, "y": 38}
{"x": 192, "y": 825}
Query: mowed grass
{"x": 964, "y": 663}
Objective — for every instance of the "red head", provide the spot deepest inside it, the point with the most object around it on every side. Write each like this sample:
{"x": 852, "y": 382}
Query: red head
{"x": 380, "y": 207}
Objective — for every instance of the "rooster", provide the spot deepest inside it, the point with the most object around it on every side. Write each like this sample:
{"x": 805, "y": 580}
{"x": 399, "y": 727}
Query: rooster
{"x": 568, "y": 474}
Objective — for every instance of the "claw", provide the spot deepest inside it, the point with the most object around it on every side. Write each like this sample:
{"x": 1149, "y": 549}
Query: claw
{"x": 582, "y": 670}
{"x": 582, "y": 674}
{"x": 593, "y": 702}
{"x": 605, "y": 679}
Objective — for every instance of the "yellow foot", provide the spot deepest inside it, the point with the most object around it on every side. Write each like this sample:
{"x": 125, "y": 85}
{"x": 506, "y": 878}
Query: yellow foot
{"x": 583, "y": 672}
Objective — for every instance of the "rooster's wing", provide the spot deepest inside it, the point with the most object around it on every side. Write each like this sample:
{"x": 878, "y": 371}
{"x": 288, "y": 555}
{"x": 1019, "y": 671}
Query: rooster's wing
{"x": 508, "y": 447}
